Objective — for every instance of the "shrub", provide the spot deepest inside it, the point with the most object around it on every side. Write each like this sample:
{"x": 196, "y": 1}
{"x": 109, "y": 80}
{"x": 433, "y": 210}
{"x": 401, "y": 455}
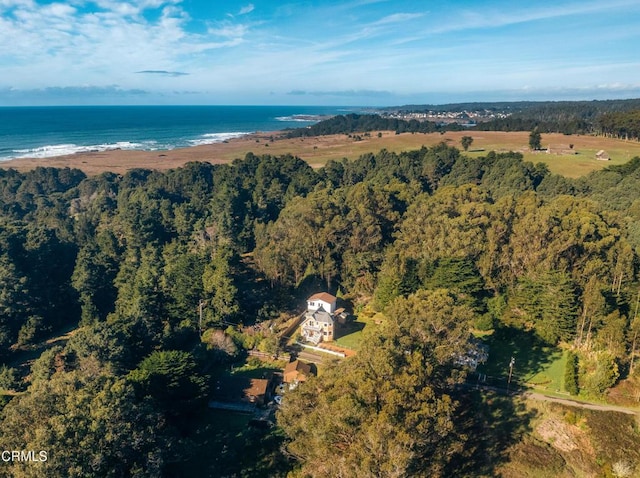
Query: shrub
{"x": 571, "y": 374}
{"x": 9, "y": 378}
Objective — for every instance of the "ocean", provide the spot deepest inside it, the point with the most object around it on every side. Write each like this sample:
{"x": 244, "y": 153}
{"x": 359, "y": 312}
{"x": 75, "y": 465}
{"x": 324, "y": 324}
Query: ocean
{"x": 42, "y": 132}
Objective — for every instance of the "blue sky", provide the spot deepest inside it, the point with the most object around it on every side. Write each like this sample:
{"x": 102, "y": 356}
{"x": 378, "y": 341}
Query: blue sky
{"x": 358, "y": 52}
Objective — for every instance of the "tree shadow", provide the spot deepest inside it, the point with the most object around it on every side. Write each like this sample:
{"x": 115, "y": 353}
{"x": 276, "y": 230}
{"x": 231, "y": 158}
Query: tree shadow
{"x": 490, "y": 424}
{"x": 349, "y": 328}
{"x": 259, "y": 299}
{"x": 530, "y": 357}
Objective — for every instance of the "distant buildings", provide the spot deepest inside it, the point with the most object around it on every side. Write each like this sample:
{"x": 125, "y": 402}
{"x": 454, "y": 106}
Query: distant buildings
{"x": 464, "y": 116}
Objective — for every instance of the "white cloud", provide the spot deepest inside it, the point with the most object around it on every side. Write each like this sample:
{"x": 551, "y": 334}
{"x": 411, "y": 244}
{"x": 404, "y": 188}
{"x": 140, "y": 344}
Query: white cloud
{"x": 62, "y": 44}
{"x": 325, "y": 50}
{"x": 343, "y": 93}
{"x": 493, "y": 18}
{"x": 228, "y": 30}
{"x": 171, "y": 74}
{"x": 246, "y": 9}
{"x": 8, "y": 4}
{"x": 398, "y": 18}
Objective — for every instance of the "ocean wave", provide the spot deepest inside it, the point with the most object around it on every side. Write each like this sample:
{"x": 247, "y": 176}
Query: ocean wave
{"x": 210, "y": 138}
{"x": 51, "y": 151}
{"x": 302, "y": 118}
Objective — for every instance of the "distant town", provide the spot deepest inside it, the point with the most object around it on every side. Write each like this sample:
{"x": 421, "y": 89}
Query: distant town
{"x": 462, "y": 116}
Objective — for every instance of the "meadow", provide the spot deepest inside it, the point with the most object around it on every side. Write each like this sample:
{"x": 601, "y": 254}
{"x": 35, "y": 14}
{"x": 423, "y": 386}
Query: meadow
{"x": 536, "y": 365}
{"x": 571, "y": 156}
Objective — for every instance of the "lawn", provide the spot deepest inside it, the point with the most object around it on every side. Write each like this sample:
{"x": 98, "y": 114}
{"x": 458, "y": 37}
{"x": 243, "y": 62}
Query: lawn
{"x": 575, "y": 165}
{"x": 255, "y": 368}
{"x": 551, "y": 377}
{"x": 350, "y": 336}
{"x": 536, "y": 364}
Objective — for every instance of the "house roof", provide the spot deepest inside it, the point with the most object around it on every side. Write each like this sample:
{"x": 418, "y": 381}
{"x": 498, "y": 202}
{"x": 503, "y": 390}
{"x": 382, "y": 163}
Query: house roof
{"x": 298, "y": 366}
{"x": 322, "y": 316}
{"x": 236, "y": 388}
{"x": 324, "y": 296}
{"x": 257, "y": 387}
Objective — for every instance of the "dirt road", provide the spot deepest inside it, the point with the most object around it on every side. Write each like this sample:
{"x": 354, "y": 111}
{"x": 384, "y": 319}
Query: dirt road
{"x": 574, "y": 403}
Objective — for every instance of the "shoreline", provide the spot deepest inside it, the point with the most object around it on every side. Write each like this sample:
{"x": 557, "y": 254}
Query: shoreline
{"x": 120, "y": 160}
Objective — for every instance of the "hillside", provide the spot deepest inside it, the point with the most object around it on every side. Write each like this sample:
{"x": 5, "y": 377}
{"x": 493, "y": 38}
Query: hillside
{"x": 567, "y": 442}
{"x": 457, "y": 271}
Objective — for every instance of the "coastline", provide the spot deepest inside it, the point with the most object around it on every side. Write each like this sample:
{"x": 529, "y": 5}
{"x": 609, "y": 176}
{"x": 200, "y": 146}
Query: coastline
{"x": 317, "y": 150}
{"x": 121, "y": 160}
{"x": 118, "y": 138}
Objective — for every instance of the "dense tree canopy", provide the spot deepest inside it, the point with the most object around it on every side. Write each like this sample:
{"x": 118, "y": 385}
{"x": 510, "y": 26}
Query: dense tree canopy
{"x": 389, "y": 411}
{"x": 137, "y": 267}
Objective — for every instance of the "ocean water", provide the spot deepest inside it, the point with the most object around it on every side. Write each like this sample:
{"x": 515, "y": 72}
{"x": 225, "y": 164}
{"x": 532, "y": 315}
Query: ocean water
{"x": 42, "y": 132}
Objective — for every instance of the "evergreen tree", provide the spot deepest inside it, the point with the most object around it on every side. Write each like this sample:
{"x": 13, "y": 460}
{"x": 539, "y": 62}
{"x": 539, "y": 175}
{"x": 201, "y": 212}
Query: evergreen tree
{"x": 389, "y": 411}
{"x": 571, "y": 374}
{"x": 535, "y": 140}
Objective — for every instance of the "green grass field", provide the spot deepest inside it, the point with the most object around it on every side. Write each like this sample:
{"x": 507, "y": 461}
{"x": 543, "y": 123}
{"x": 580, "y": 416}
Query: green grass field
{"x": 255, "y": 368}
{"x": 536, "y": 365}
{"x": 563, "y": 159}
{"x": 351, "y": 335}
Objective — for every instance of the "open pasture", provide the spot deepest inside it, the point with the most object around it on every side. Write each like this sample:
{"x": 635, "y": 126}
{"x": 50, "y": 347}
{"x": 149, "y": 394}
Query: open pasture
{"x": 571, "y": 156}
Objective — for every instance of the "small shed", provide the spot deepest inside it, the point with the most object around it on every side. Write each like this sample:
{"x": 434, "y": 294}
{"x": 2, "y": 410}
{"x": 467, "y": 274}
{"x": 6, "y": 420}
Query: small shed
{"x": 602, "y": 155}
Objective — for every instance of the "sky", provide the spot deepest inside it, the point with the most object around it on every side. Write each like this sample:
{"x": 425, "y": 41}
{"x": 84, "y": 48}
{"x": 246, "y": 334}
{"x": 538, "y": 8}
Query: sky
{"x": 317, "y": 52}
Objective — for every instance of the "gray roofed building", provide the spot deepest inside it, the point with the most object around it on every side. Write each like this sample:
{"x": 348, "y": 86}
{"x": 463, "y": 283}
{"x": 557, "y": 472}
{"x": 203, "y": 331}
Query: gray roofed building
{"x": 318, "y": 324}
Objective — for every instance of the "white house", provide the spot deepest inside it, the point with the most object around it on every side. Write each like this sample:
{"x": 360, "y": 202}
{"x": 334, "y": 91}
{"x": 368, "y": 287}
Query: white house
{"x": 318, "y": 325}
{"x": 322, "y": 300}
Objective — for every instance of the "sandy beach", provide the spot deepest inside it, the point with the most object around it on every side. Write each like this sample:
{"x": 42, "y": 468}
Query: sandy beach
{"x": 120, "y": 161}
{"x": 315, "y": 150}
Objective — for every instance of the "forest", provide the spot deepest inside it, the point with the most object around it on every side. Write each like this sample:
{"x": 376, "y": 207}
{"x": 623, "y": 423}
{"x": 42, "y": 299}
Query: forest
{"x": 358, "y": 123}
{"x": 622, "y": 125}
{"x": 615, "y": 118}
{"x": 162, "y": 280}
